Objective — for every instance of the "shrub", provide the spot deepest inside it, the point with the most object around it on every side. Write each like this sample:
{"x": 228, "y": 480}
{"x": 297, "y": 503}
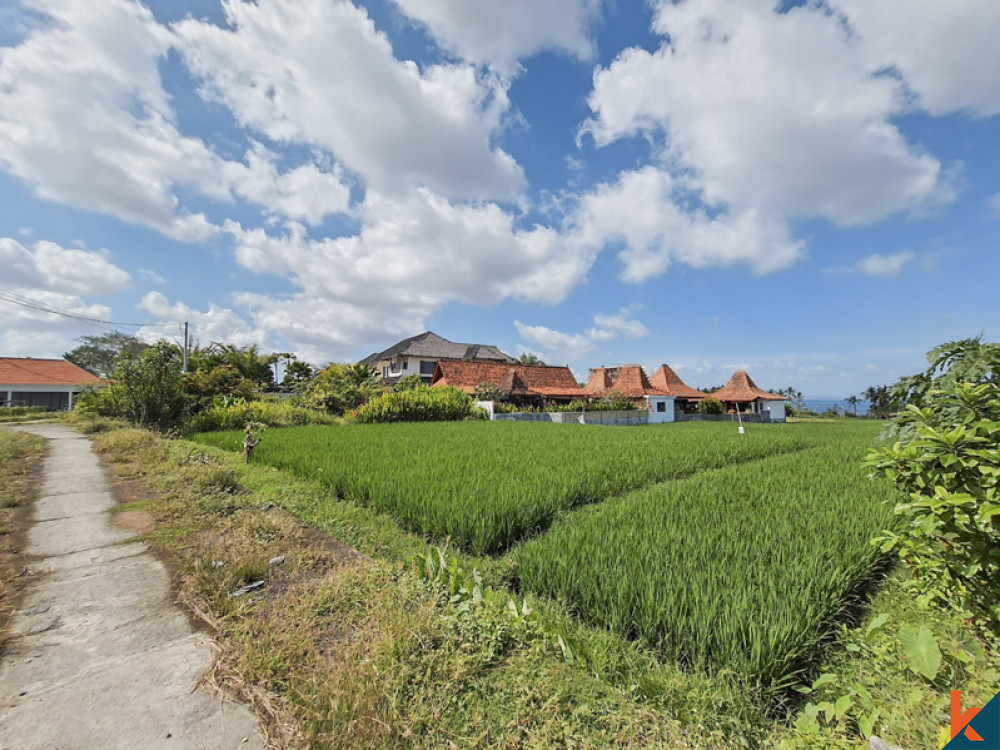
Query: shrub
{"x": 420, "y": 405}
{"x": 229, "y": 414}
{"x": 711, "y": 406}
{"x": 409, "y": 383}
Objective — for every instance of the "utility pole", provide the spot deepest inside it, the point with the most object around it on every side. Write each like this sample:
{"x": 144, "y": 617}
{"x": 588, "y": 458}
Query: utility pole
{"x": 184, "y": 366}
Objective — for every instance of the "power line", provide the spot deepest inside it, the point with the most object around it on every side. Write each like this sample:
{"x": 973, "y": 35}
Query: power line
{"x": 17, "y": 299}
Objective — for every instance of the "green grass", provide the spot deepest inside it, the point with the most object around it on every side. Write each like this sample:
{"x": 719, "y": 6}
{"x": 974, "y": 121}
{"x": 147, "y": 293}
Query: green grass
{"x": 742, "y": 569}
{"x": 488, "y": 485}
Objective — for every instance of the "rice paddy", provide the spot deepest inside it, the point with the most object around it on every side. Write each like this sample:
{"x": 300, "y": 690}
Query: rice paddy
{"x": 727, "y": 553}
{"x": 488, "y": 485}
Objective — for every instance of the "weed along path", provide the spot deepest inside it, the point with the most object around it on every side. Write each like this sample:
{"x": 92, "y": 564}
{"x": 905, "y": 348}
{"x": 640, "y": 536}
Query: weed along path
{"x": 100, "y": 656}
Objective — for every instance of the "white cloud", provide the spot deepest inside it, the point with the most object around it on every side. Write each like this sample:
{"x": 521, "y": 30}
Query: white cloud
{"x": 412, "y": 256}
{"x": 885, "y": 265}
{"x": 501, "y": 33}
{"x": 50, "y": 268}
{"x": 47, "y": 275}
{"x": 217, "y": 324}
{"x": 84, "y": 119}
{"x": 317, "y": 72}
{"x": 771, "y": 112}
{"x": 306, "y": 193}
{"x": 644, "y": 212}
{"x": 945, "y": 51}
{"x": 575, "y": 348}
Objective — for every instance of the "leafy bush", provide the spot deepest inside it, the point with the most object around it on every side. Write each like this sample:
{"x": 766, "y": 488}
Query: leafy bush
{"x": 409, "y": 383}
{"x": 22, "y": 411}
{"x": 614, "y": 401}
{"x": 711, "y": 406}
{"x": 340, "y": 388}
{"x": 148, "y": 388}
{"x": 229, "y": 414}
{"x": 204, "y": 387}
{"x": 419, "y": 405}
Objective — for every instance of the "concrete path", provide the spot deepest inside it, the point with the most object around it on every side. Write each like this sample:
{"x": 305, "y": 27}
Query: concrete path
{"x": 101, "y": 656}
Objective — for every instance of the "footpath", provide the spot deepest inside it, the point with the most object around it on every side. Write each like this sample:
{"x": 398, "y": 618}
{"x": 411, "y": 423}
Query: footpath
{"x": 100, "y": 654}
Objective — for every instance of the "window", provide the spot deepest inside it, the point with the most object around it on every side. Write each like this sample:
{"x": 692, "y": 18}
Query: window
{"x": 427, "y": 368}
{"x": 661, "y": 405}
{"x": 406, "y": 364}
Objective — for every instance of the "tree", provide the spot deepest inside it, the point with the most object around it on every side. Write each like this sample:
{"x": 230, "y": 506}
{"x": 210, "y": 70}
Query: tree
{"x": 97, "y": 354}
{"x": 297, "y": 373}
{"x": 529, "y": 359}
{"x": 340, "y": 388}
{"x": 409, "y": 383}
{"x": 853, "y": 402}
{"x": 711, "y": 406}
{"x": 879, "y": 400}
{"x": 248, "y": 361}
{"x": 148, "y": 387}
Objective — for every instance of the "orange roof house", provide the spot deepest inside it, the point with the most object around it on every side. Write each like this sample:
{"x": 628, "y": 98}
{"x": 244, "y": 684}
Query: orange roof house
{"x": 51, "y": 383}
{"x": 667, "y": 380}
{"x": 517, "y": 381}
{"x": 628, "y": 380}
{"x": 742, "y": 390}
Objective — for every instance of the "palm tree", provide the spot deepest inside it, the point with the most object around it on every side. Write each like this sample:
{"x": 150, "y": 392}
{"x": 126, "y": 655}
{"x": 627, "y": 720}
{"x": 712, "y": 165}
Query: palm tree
{"x": 529, "y": 359}
{"x": 852, "y": 401}
{"x": 879, "y": 398}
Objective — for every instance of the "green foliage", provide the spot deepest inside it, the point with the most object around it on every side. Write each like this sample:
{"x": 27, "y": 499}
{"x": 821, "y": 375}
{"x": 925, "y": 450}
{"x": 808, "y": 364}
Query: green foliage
{"x": 409, "y": 383}
{"x": 741, "y": 570}
{"x": 97, "y": 354}
{"x": 529, "y": 359}
{"x": 249, "y": 362}
{"x": 711, "y": 406}
{"x": 233, "y": 414}
{"x": 340, "y": 388}
{"x": 488, "y": 484}
{"x": 947, "y": 463}
{"x": 418, "y": 405}
{"x": 297, "y": 373}
{"x": 204, "y": 387}
{"x": 488, "y": 392}
{"x": 964, "y": 361}
{"x": 614, "y": 401}
{"x": 921, "y": 650}
{"x": 148, "y": 388}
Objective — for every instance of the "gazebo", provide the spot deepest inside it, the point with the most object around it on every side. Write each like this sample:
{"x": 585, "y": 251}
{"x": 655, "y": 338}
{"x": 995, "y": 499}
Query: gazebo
{"x": 742, "y": 394}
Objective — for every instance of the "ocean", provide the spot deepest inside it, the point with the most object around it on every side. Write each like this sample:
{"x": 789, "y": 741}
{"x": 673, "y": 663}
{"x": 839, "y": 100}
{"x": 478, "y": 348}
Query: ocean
{"x": 822, "y": 404}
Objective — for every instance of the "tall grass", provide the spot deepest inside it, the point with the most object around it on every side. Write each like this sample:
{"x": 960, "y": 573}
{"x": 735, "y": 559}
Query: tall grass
{"x": 741, "y": 570}
{"x": 488, "y": 485}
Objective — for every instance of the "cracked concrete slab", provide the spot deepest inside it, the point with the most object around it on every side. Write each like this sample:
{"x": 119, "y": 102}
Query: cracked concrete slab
{"x": 100, "y": 654}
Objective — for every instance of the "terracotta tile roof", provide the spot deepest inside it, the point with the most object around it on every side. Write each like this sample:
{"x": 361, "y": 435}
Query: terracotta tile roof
{"x": 666, "y": 380}
{"x": 629, "y": 380}
{"x": 518, "y": 380}
{"x": 599, "y": 382}
{"x": 742, "y": 389}
{"x": 27, "y": 371}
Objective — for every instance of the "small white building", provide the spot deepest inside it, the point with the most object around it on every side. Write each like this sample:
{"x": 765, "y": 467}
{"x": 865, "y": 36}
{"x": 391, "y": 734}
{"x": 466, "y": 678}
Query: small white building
{"x": 50, "y": 383}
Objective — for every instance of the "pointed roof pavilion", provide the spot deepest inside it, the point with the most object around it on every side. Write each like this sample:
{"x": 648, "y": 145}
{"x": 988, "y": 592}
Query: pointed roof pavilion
{"x": 667, "y": 380}
{"x": 742, "y": 390}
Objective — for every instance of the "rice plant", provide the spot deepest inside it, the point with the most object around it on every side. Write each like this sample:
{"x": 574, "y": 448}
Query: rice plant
{"x": 740, "y": 570}
{"x": 488, "y": 485}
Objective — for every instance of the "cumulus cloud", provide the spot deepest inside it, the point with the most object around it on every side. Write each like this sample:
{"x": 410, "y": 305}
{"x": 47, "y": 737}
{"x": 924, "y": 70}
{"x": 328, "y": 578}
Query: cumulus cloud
{"x": 499, "y": 34}
{"x": 317, "y": 72}
{"x": 84, "y": 119}
{"x": 644, "y": 212}
{"x": 885, "y": 265}
{"x": 574, "y": 348}
{"x": 306, "y": 193}
{"x": 48, "y": 267}
{"x": 778, "y": 113}
{"x": 216, "y": 324}
{"x": 46, "y": 275}
{"x": 945, "y": 52}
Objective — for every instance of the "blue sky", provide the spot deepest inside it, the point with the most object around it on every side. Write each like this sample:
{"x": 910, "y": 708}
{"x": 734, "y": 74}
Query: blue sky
{"x": 806, "y": 190}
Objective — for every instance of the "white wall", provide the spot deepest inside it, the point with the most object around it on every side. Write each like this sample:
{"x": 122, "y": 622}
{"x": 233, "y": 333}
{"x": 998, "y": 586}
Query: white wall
{"x": 656, "y": 417}
{"x": 777, "y": 409}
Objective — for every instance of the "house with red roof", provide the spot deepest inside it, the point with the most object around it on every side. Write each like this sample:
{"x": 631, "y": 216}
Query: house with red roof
{"x": 665, "y": 379}
{"x": 742, "y": 394}
{"x": 518, "y": 383}
{"x": 51, "y": 383}
{"x": 631, "y": 382}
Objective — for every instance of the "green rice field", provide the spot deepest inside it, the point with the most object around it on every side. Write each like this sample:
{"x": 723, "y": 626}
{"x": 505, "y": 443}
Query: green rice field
{"x": 488, "y": 485}
{"x": 726, "y": 553}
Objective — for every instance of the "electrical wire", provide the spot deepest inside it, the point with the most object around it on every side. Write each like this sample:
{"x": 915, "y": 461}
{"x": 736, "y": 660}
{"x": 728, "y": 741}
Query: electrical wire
{"x": 32, "y": 304}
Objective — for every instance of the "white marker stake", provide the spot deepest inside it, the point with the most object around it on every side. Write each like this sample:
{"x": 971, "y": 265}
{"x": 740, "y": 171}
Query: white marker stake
{"x": 740, "y": 417}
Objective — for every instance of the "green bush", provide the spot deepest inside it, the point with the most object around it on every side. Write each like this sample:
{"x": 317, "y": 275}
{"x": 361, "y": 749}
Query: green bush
{"x": 419, "y": 405}
{"x": 230, "y": 414}
{"x": 22, "y": 411}
{"x": 711, "y": 406}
